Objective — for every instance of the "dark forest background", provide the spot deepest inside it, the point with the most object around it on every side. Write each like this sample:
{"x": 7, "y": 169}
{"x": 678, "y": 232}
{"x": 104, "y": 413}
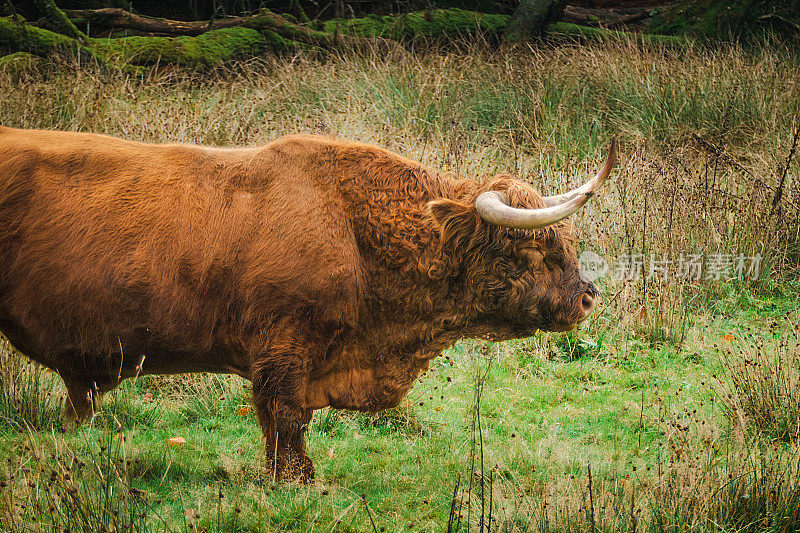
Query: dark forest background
{"x": 716, "y": 19}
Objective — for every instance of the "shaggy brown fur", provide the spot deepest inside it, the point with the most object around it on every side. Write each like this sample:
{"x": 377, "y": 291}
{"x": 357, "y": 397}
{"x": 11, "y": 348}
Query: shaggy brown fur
{"x": 327, "y": 272}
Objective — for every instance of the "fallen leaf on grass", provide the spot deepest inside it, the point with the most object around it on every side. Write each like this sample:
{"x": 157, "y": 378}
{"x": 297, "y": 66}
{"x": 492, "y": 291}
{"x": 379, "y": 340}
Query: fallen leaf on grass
{"x": 176, "y": 441}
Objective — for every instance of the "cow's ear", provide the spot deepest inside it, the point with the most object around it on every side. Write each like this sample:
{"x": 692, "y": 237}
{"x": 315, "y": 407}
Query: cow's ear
{"x": 458, "y": 222}
{"x": 444, "y": 210}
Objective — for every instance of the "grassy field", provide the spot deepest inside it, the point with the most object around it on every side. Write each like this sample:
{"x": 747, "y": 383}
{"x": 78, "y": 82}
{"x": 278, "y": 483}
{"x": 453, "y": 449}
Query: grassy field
{"x": 675, "y": 408}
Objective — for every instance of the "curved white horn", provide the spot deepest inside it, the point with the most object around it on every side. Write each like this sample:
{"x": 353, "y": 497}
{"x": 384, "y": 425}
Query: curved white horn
{"x": 590, "y": 185}
{"x": 492, "y": 207}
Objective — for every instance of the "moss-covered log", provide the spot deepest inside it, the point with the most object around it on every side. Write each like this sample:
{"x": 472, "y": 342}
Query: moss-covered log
{"x": 256, "y": 35}
{"x": 574, "y": 31}
{"x": 268, "y": 32}
{"x": 448, "y": 24}
{"x": 111, "y": 18}
{"x": 279, "y": 33}
{"x": 429, "y": 26}
{"x": 267, "y": 21}
{"x": 19, "y": 36}
{"x": 211, "y": 49}
{"x": 120, "y": 19}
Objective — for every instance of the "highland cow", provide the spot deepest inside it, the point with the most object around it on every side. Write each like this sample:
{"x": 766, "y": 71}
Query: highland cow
{"x": 327, "y": 272}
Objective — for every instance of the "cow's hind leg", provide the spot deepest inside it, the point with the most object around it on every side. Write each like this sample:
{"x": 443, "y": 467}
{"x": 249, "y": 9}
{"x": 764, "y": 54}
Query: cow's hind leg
{"x": 280, "y": 377}
{"x": 83, "y": 396}
{"x": 82, "y": 399}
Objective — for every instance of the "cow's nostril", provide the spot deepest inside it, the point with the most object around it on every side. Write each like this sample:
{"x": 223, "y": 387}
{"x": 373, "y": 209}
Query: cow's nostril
{"x": 587, "y": 301}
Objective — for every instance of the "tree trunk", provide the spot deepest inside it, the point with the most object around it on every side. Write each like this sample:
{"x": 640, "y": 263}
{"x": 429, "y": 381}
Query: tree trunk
{"x": 531, "y": 18}
{"x": 59, "y": 21}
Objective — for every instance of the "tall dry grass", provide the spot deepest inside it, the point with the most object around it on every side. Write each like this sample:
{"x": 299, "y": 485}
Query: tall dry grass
{"x": 30, "y": 398}
{"x": 47, "y": 485}
{"x": 764, "y": 388}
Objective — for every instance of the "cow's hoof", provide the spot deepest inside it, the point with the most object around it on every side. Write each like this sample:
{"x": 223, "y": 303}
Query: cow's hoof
{"x": 307, "y": 471}
{"x": 291, "y": 468}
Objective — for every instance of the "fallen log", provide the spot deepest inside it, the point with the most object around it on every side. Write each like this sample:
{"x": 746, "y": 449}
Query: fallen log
{"x": 238, "y": 38}
{"x": 19, "y": 36}
{"x": 112, "y": 18}
{"x": 603, "y": 17}
{"x": 281, "y": 34}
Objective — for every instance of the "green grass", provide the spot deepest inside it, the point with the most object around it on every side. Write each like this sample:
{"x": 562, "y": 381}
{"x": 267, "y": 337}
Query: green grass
{"x": 544, "y": 414}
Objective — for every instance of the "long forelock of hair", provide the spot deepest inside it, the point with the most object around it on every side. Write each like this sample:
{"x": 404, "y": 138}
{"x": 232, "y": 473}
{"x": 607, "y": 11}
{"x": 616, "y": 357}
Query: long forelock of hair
{"x": 558, "y": 238}
{"x": 479, "y": 241}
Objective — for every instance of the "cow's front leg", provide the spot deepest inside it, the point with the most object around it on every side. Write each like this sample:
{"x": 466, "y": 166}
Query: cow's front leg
{"x": 280, "y": 379}
{"x": 284, "y": 435}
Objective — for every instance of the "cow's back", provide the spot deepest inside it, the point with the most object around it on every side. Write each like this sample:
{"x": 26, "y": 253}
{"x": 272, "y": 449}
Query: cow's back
{"x": 101, "y": 237}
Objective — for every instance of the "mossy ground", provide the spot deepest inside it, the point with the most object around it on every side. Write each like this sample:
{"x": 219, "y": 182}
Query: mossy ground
{"x": 431, "y": 25}
{"x": 210, "y": 49}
